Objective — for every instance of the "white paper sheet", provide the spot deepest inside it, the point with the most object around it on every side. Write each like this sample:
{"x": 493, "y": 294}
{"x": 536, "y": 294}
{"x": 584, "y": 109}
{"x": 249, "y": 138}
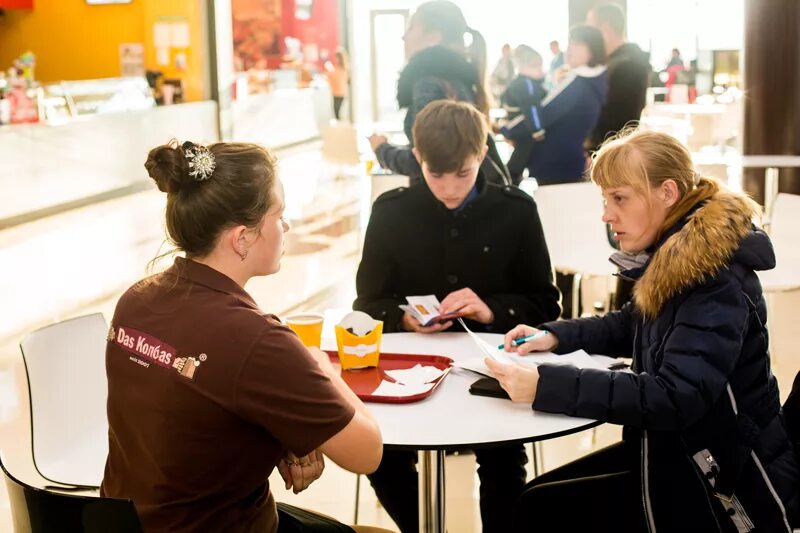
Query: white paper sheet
{"x": 579, "y": 359}
{"x": 415, "y": 375}
{"x": 387, "y": 388}
{"x": 489, "y": 350}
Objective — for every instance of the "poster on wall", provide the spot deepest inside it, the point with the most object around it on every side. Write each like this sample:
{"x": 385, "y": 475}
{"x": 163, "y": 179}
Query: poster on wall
{"x": 131, "y": 59}
{"x": 256, "y": 33}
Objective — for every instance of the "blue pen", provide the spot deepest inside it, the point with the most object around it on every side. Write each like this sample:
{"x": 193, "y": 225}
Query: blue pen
{"x": 523, "y": 340}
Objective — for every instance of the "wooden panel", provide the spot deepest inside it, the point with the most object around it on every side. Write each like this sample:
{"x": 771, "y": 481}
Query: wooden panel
{"x": 772, "y": 85}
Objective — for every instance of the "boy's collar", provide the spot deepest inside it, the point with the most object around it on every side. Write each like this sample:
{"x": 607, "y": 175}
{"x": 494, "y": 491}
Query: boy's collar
{"x": 478, "y": 190}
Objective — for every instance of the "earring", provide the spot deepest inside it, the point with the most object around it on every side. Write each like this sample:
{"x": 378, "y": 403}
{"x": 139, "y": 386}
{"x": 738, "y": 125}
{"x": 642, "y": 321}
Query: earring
{"x": 243, "y": 254}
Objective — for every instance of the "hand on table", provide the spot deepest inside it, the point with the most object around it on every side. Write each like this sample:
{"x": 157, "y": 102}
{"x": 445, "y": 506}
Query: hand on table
{"x": 412, "y": 324}
{"x": 518, "y": 381}
{"x": 300, "y": 472}
{"x": 376, "y": 140}
{"x": 466, "y": 303}
{"x": 545, "y": 343}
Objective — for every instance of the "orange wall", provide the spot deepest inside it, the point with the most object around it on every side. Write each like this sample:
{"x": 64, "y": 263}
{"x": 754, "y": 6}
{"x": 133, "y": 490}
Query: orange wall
{"x": 73, "y": 40}
{"x": 171, "y": 11}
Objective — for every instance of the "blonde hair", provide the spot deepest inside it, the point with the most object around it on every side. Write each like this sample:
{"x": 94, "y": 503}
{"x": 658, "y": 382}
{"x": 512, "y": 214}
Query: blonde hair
{"x": 644, "y": 160}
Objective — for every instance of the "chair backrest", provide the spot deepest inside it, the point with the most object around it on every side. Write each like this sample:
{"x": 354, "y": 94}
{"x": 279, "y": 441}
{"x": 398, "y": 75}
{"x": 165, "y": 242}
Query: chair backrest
{"x": 784, "y": 231}
{"x": 36, "y": 510}
{"x": 576, "y": 235}
{"x": 65, "y": 364}
{"x": 785, "y": 225}
{"x": 340, "y": 144}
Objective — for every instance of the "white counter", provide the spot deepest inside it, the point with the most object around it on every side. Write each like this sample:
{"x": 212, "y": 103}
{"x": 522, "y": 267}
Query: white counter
{"x": 44, "y": 165}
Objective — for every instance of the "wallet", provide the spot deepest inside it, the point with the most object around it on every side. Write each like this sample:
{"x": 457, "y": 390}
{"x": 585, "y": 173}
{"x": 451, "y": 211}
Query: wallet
{"x": 488, "y": 387}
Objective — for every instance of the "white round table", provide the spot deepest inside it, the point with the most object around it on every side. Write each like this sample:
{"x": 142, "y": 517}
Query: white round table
{"x": 452, "y": 418}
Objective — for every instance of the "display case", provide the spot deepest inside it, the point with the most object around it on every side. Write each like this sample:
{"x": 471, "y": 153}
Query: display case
{"x": 68, "y": 99}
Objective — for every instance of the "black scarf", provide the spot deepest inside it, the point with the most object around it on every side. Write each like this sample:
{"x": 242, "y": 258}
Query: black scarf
{"x": 439, "y": 62}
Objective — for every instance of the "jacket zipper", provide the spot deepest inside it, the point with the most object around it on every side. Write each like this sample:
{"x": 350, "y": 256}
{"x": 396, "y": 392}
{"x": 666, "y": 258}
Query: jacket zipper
{"x": 705, "y": 491}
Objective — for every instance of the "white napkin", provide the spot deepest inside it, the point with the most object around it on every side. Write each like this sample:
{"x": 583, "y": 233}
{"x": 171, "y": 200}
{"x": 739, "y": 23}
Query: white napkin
{"x": 387, "y": 388}
{"x": 417, "y": 374}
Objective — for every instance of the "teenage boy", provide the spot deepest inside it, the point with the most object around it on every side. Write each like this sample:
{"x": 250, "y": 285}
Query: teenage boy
{"x": 479, "y": 248}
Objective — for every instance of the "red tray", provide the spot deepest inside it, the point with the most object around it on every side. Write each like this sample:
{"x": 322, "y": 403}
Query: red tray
{"x": 365, "y": 381}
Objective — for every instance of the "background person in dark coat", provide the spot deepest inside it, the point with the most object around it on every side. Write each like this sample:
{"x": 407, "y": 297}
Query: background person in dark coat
{"x": 480, "y": 249}
{"x": 628, "y": 74}
{"x": 563, "y": 120}
{"x": 439, "y": 67}
{"x": 705, "y": 446}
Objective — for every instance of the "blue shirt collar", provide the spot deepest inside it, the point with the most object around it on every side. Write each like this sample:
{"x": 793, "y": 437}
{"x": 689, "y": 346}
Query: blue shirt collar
{"x": 470, "y": 197}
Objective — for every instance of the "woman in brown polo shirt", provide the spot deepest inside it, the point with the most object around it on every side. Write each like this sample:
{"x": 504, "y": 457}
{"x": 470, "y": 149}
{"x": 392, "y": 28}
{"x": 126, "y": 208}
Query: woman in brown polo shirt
{"x": 207, "y": 393}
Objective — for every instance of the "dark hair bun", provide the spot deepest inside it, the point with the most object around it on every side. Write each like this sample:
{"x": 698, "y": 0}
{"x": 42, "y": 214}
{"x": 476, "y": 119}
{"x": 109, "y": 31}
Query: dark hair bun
{"x": 168, "y": 167}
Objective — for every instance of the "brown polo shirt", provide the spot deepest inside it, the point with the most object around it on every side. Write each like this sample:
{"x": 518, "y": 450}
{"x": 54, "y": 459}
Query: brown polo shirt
{"x": 205, "y": 394}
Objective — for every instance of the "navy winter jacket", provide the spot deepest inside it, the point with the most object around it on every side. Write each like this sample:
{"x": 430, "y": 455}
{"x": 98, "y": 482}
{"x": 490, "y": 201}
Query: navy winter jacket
{"x": 561, "y": 124}
{"x": 701, "y": 402}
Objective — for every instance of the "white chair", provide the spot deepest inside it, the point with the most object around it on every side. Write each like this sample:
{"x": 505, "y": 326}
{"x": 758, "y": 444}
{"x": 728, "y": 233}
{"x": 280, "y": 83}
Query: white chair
{"x": 65, "y": 364}
{"x": 576, "y": 235}
{"x": 340, "y": 144}
{"x": 784, "y": 231}
{"x": 782, "y": 284}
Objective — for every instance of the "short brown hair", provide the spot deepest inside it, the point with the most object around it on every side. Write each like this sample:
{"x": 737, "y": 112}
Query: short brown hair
{"x": 611, "y": 13}
{"x": 238, "y": 192}
{"x": 593, "y": 39}
{"x": 446, "y": 133}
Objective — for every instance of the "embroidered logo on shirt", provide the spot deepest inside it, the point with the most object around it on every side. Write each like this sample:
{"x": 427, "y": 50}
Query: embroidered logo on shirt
{"x": 187, "y": 366}
{"x": 148, "y": 349}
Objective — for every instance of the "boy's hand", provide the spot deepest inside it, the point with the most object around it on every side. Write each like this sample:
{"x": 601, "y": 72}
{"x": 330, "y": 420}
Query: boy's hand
{"x": 376, "y": 140}
{"x": 466, "y": 303}
{"x": 412, "y": 324}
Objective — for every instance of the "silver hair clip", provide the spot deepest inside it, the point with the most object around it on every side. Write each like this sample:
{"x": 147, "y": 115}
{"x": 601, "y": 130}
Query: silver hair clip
{"x": 201, "y": 161}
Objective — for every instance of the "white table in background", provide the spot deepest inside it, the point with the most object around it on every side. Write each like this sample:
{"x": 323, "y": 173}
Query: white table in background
{"x": 452, "y": 418}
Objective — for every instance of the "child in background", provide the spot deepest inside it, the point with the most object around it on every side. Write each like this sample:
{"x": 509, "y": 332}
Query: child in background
{"x": 525, "y": 91}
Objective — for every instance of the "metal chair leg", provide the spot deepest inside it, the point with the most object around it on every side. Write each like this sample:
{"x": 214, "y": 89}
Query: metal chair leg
{"x": 358, "y": 494}
{"x": 576, "y": 295}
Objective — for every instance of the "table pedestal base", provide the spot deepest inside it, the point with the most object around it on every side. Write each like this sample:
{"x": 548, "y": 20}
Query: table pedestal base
{"x": 431, "y": 491}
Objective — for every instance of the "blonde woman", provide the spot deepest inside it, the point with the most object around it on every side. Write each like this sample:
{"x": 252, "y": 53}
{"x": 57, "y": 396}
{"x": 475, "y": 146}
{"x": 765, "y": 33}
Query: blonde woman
{"x": 704, "y": 444}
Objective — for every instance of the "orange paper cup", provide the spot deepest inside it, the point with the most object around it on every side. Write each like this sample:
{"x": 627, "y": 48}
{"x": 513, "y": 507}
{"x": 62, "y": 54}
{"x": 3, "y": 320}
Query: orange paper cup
{"x": 308, "y": 327}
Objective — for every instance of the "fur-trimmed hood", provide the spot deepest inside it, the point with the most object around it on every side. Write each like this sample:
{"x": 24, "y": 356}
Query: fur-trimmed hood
{"x": 716, "y": 231}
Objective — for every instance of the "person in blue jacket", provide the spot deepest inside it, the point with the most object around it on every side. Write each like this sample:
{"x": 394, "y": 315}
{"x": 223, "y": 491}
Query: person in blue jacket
{"x": 563, "y": 120}
{"x": 705, "y": 446}
{"x": 525, "y": 91}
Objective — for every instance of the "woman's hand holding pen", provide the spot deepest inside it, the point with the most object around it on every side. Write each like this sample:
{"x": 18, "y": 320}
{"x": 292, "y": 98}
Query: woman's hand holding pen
{"x": 543, "y": 341}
